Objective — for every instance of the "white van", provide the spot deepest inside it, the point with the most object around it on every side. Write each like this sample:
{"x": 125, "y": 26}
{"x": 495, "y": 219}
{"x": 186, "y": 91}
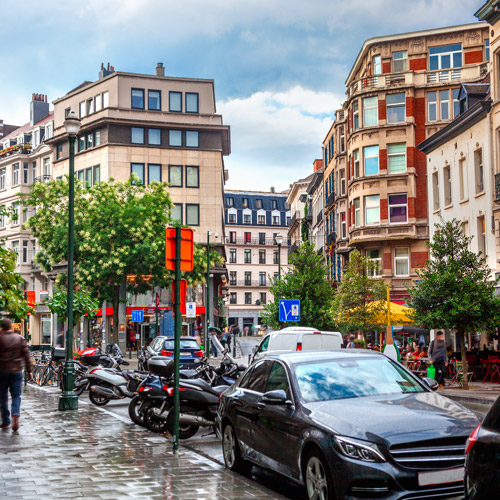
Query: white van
{"x": 296, "y": 338}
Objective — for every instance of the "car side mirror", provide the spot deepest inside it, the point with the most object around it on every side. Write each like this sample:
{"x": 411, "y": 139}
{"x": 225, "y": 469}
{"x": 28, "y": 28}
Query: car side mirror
{"x": 431, "y": 383}
{"x": 277, "y": 397}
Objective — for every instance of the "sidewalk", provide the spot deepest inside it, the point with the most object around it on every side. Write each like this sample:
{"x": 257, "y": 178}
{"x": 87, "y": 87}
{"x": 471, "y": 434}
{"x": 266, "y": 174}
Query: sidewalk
{"x": 481, "y": 393}
{"x": 94, "y": 454}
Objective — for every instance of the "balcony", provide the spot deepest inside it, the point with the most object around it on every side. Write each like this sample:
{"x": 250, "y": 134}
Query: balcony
{"x": 249, "y": 283}
{"x": 387, "y": 232}
{"x": 24, "y": 149}
{"x": 330, "y": 200}
{"x": 292, "y": 249}
{"x": 497, "y": 188}
{"x": 43, "y": 178}
{"x": 319, "y": 217}
{"x": 252, "y": 241}
{"x": 331, "y": 238}
{"x": 294, "y": 219}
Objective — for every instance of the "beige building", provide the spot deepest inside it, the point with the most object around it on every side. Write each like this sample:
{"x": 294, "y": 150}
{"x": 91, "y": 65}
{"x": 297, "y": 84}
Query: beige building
{"x": 25, "y": 158}
{"x": 401, "y": 89}
{"x": 253, "y": 221}
{"x": 296, "y": 200}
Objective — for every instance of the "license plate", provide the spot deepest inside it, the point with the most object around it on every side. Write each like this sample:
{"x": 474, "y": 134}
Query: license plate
{"x": 185, "y": 354}
{"x": 440, "y": 477}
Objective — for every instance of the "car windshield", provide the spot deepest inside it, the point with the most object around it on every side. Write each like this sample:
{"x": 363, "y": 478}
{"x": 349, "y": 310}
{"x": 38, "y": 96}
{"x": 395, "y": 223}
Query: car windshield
{"x": 185, "y": 344}
{"x": 353, "y": 378}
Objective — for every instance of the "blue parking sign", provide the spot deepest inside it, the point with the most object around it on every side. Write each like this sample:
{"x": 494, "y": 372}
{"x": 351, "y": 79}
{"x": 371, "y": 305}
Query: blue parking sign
{"x": 138, "y": 316}
{"x": 289, "y": 310}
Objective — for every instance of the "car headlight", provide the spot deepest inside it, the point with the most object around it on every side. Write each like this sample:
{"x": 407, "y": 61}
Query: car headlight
{"x": 359, "y": 450}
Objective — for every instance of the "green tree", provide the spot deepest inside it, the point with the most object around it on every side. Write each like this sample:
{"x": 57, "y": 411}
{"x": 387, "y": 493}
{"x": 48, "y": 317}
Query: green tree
{"x": 305, "y": 281}
{"x": 119, "y": 231}
{"x": 455, "y": 289}
{"x": 358, "y": 304}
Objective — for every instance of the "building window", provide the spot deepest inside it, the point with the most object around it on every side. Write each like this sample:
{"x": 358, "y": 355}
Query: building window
{"x": 444, "y": 100}
{"x": 447, "y": 186}
{"x": 15, "y": 247}
{"x": 274, "y": 204}
{"x": 355, "y": 155}
{"x": 59, "y": 150}
{"x": 137, "y": 98}
{"x": 232, "y": 218}
{"x": 396, "y": 108}
{"x": 478, "y": 170}
{"x": 248, "y": 256}
{"x": 357, "y": 213}
{"x": 462, "y": 172}
{"x": 435, "y": 190}
{"x": 248, "y": 298}
{"x": 2, "y": 225}
{"x": 370, "y": 155}
{"x": 81, "y": 108}
{"x": 3, "y": 172}
{"x": 154, "y": 173}
{"x": 481, "y": 235}
{"x": 46, "y": 166}
{"x": 26, "y": 173}
{"x": 137, "y": 135}
{"x": 244, "y": 202}
{"x": 401, "y": 261}
{"x": 229, "y": 201}
{"x": 192, "y": 177}
{"x": 487, "y": 50}
{"x": 375, "y": 257}
{"x": 275, "y": 256}
{"x": 191, "y": 102}
{"x": 247, "y": 237}
{"x": 96, "y": 175}
{"x": 232, "y": 255}
{"x": 400, "y": 61}
{"x": 276, "y": 220}
{"x": 377, "y": 65}
{"x": 25, "y": 258}
{"x": 355, "y": 114}
{"x": 370, "y": 111}
{"x": 262, "y": 238}
{"x": 90, "y": 140}
{"x": 175, "y": 102}
{"x": 258, "y": 203}
{"x": 396, "y": 158}
{"x": 343, "y": 225}
{"x": 432, "y": 106}
{"x": 90, "y": 106}
{"x": 232, "y": 298}
{"x": 261, "y": 219}
{"x": 262, "y": 279}
{"x": 33, "y": 171}
{"x": 97, "y": 103}
{"x": 398, "y": 208}
{"x": 342, "y": 140}
{"x": 456, "y": 102}
{"x": 263, "y": 298}
{"x": 81, "y": 143}
{"x": 247, "y": 218}
{"x": 105, "y": 99}
{"x": 15, "y": 174}
{"x": 372, "y": 210}
{"x": 232, "y": 236}
{"x": 16, "y": 207}
{"x": 342, "y": 181}
{"x": 192, "y": 214}
{"x": 445, "y": 57}
{"x": 154, "y": 136}
{"x": 232, "y": 278}
{"x": 248, "y": 278}
{"x": 175, "y": 138}
{"x": 138, "y": 170}
{"x": 175, "y": 175}
{"x": 154, "y": 100}
{"x": 262, "y": 256}
{"x": 192, "y": 139}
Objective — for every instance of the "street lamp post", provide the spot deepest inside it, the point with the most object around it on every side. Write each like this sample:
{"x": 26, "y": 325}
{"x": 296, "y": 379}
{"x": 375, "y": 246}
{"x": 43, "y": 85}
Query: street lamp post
{"x": 279, "y": 241}
{"x": 207, "y": 305}
{"x": 68, "y": 399}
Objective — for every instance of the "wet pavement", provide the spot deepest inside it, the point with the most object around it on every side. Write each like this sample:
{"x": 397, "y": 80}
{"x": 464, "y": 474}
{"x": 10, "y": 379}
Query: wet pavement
{"x": 96, "y": 454}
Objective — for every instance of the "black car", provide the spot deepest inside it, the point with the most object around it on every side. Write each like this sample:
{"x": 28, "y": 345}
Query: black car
{"x": 191, "y": 352}
{"x": 482, "y": 469}
{"x": 346, "y": 424}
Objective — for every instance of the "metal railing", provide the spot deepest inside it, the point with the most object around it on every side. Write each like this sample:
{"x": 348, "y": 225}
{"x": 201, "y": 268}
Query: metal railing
{"x": 252, "y": 241}
{"x": 250, "y": 283}
{"x": 43, "y": 178}
{"x": 330, "y": 199}
{"x": 319, "y": 217}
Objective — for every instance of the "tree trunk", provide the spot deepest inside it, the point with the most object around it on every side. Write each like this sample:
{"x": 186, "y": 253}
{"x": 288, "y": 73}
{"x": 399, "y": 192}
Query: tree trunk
{"x": 116, "y": 303}
{"x": 465, "y": 367}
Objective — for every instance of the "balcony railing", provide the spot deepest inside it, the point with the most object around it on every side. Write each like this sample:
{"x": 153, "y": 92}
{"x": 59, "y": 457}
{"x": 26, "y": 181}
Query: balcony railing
{"x": 319, "y": 217}
{"x": 253, "y": 241}
{"x": 43, "y": 178}
{"x": 17, "y": 149}
{"x": 249, "y": 283}
{"x": 294, "y": 219}
{"x": 330, "y": 199}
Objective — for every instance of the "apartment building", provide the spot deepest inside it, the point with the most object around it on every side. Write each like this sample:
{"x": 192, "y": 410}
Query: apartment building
{"x": 297, "y": 200}
{"x": 401, "y": 89}
{"x": 26, "y": 158}
{"x": 253, "y": 220}
{"x": 316, "y": 200}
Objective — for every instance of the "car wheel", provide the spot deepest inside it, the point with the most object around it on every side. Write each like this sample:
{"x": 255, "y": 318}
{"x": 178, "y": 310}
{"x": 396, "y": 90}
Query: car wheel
{"x": 231, "y": 451}
{"x": 318, "y": 478}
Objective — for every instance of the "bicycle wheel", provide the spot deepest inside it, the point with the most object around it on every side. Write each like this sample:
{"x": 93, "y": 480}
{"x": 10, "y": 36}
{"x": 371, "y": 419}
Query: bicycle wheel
{"x": 52, "y": 377}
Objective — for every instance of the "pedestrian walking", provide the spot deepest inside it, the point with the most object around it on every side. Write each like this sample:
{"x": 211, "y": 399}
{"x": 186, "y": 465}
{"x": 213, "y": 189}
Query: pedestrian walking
{"x": 351, "y": 344}
{"x": 229, "y": 337}
{"x": 14, "y": 354}
{"x": 212, "y": 334}
{"x": 223, "y": 338}
{"x": 439, "y": 357}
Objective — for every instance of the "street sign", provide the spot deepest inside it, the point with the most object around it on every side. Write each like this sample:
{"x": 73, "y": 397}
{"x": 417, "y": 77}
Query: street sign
{"x": 191, "y": 310}
{"x": 187, "y": 249}
{"x": 289, "y": 310}
{"x": 138, "y": 316}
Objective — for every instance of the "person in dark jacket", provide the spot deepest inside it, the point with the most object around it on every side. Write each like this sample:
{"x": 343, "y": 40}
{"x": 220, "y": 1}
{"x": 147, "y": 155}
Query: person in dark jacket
{"x": 439, "y": 357}
{"x": 14, "y": 354}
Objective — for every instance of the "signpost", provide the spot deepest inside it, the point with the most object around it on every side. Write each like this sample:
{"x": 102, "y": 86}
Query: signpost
{"x": 178, "y": 257}
{"x": 138, "y": 316}
{"x": 191, "y": 310}
{"x": 289, "y": 310}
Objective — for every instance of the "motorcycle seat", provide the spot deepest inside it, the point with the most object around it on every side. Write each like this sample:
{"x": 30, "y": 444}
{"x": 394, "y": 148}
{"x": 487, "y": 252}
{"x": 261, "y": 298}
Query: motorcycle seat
{"x": 199, "y": 382}
{"x": 188, "y": 373}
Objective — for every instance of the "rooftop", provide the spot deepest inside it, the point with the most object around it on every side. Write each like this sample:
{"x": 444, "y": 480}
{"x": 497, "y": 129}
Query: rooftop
{"x": 28, "y": 126}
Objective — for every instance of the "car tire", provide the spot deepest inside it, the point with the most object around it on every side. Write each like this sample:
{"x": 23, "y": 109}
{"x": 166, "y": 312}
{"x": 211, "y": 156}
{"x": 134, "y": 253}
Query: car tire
{"x": 232, "y": 453}
{"x": 98, "y": 399}
{"x": 318, "y": 477}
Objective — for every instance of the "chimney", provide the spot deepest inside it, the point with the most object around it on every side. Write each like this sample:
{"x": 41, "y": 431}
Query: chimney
{"x": 317, "y": 164}
{"x": 105, "y": 71}
{"x": 39, "y": 108}
{"x": 160, "y": 70}
{"x": 272, "y": 189}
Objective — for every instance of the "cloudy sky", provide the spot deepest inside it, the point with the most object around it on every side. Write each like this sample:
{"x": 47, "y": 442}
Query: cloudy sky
{"x": 279, "y": 65}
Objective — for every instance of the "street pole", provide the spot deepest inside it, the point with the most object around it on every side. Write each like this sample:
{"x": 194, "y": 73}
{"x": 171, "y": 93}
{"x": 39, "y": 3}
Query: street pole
{"x": 26, "y": 336}
{"x": 207, "y": 308}
{"x": 279, "y": 261}
{"x": 68, "y": 399}
{"x": 178, "y": 332}
{"x": 157, "y": 301}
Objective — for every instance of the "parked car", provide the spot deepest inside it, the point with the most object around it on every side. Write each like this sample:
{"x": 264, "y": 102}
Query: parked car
{"x": 296, "y": 338}
{"x": 346, "y": 424}
{"x": 482, "y": 470}
{"x": 191, "y": 352}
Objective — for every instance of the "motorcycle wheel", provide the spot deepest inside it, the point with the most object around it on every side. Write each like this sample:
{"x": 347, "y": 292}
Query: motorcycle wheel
{"x": 98, "y": 399}
{"x": 154, "y": 423}
{"x": 79, "y": 391}
{"x": 133, "y": 411}
{"x": 185, "y": 431}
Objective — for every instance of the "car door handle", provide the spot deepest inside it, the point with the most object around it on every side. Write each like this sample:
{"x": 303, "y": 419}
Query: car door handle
{"x": 261, "y": 406}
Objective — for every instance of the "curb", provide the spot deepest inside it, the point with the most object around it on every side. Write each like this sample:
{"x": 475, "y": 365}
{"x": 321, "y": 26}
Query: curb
{"x": 471, "y": 399}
